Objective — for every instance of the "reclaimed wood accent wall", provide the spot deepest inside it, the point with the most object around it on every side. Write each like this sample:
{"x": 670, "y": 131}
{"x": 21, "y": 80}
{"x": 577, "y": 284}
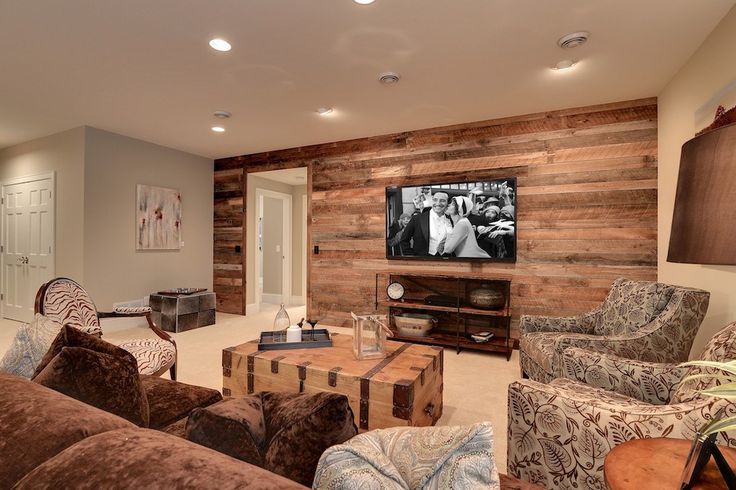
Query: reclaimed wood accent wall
{"x": 586, "y": 206}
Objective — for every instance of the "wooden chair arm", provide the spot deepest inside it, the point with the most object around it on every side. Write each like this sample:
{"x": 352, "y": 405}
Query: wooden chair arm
{"x": 160, "y": 333}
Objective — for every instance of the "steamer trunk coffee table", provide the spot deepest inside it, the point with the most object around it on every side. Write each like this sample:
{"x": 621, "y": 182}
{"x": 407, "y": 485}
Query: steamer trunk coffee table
{"x": 404, "y": 389}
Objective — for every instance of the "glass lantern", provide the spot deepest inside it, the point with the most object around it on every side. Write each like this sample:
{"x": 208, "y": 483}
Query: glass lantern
{"x": 369, "y": 336}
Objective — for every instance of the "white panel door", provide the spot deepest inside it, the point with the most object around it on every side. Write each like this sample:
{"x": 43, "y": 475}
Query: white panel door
{"x": 28, "y": 243}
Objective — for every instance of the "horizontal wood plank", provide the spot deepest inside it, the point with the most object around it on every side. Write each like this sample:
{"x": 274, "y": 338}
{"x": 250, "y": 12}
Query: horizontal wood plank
{"x": 586, "y": 211}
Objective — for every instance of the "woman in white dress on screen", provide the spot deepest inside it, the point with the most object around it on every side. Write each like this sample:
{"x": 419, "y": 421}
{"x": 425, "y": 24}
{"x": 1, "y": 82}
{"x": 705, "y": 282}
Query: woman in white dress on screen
{"x": 462, "y": 238}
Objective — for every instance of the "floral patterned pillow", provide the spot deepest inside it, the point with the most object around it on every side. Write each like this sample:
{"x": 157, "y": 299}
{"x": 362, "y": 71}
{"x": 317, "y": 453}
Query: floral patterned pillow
{"x": 632, "y": 304}
{"x": 31, "y": 342}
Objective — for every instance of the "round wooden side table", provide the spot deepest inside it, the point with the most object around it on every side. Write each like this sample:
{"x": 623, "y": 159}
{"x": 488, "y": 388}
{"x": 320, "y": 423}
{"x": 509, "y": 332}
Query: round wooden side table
{"x": 658, "y": 464}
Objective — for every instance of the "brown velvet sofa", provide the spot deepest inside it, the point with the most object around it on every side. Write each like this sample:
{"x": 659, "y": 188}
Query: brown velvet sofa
{"x": 49, "y": 440}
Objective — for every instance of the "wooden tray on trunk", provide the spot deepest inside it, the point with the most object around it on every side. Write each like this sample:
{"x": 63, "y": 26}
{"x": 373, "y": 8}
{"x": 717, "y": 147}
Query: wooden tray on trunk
{"x": 320, "y": 337}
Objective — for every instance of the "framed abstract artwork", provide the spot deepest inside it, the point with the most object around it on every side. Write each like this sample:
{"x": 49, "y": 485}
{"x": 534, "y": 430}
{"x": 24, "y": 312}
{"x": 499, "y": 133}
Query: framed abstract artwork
{"x": 158, "y": 218}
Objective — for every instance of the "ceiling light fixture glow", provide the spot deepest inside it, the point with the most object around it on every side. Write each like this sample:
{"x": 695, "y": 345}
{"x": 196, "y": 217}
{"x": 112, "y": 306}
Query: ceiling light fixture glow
{"x": 564, "y": 65}
{"x": 220, "y": 45}
{"x": 325, "y": 111}
{"x": 364, "y": 2}
{"x": 218, "y": 129}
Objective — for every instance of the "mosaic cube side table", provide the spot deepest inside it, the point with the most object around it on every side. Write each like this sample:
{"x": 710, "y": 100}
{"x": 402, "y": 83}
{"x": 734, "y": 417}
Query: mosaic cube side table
{"x": 179, "y": 313}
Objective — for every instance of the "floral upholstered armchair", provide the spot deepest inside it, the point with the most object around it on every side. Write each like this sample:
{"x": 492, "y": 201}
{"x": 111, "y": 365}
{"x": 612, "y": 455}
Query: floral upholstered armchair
{"x": 642, "y": 320}
{"x": 68, "y": 303}
{"x": 560, "y": 433}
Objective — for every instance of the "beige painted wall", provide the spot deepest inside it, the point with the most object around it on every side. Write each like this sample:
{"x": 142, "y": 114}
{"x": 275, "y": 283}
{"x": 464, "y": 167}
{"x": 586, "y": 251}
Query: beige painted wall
{"x": 63, "y": 154}
{"x": 255, "y": 182}
{"x": 708, "y": 71}
{"x": 273, "y": 231}
{"x": 114, "y": 270}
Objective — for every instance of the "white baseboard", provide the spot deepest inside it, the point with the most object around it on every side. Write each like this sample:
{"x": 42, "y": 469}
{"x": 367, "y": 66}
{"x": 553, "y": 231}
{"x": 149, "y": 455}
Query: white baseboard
{"x": 132, "y": 302}
{"x": 275, "y": 299}
{"x": 252, "y": 308}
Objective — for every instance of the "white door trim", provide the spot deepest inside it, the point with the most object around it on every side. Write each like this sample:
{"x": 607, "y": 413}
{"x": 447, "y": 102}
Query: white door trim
{"x": 305, "y": 250}
{"x": 23, "y": 180}
{"x": 285, "y": 246}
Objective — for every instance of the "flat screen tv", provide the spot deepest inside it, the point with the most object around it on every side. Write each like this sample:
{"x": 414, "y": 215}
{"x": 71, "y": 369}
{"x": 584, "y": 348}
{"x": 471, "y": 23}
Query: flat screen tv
{"x": 452, "y": 221}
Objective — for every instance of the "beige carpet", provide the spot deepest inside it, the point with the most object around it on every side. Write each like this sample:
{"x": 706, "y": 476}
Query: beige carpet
{"x": 475, "y": 383}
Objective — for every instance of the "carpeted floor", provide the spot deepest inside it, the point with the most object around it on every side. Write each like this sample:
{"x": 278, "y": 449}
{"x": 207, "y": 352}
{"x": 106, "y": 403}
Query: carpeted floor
{"x": 475, "y": 383}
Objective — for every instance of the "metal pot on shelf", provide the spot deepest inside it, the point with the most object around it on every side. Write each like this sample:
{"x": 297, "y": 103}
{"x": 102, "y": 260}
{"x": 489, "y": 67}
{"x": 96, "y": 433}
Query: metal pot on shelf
{"x": 487, "y": 297}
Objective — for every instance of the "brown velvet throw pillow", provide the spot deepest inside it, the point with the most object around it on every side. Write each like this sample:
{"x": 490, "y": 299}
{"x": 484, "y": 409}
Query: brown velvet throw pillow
{"x": 234, "y": 427}
{"x": 300, "y": 427}
{"x": 285, "y": 433}
{"x": 95, "y": 372}
{"x": 72, "y": 337}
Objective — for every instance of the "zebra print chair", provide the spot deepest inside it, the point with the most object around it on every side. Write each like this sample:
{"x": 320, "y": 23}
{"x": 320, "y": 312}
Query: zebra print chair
{"x": 65, "y": 301}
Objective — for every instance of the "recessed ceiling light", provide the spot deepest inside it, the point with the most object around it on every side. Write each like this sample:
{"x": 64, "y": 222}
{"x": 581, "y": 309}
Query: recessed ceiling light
{"x": 564, "y": 65}
{"x": 222, "y": 114}
{"x": 218, "y": 129}
{"x": 220, "y": 45}
{"x": 324, "y": 111}
{"x": 364, "y": 2}
{"x": 389, "y": 78}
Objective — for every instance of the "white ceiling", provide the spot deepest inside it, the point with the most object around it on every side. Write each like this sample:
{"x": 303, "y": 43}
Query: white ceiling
{"x": 290, "y": 176}
{"x": 143, "y": 67}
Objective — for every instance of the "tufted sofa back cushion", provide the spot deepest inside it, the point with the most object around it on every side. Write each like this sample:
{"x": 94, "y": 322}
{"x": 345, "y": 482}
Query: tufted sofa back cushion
{"x": 68, "y": 303}
{"x": 632, "y": 304}
{"x": 721, "y": 348}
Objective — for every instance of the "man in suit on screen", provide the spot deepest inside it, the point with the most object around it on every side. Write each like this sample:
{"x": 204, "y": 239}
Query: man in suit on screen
{"x": 426, "y": 232}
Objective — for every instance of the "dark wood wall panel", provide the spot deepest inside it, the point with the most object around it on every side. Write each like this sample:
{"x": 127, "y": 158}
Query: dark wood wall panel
{"x": 229, "y": 218}
{"x": 587, "y": 205}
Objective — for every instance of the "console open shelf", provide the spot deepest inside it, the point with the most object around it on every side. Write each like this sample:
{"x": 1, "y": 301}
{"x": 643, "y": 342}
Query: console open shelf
{"x": 460, "y": 313}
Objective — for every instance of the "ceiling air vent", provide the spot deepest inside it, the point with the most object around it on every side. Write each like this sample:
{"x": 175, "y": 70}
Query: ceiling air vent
{"x": 389, "y": 78}
{"x": 573, "y": 40}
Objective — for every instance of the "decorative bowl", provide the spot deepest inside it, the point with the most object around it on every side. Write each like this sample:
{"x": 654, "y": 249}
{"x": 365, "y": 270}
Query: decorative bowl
{"x": 414, "y": 324}
{"x": 487, "y": 298}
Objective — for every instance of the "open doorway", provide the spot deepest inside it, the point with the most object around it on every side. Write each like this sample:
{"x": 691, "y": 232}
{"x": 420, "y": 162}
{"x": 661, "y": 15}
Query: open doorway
{"x": 279, "y": 238}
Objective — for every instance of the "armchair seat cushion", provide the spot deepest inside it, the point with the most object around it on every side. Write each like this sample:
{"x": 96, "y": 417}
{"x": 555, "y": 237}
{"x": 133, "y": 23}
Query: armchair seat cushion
{"x": 132, "y": 310}
{"x": 171, "y": 401}
{"x": 152, "y": 355}
{"x": 584, "y": 393}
